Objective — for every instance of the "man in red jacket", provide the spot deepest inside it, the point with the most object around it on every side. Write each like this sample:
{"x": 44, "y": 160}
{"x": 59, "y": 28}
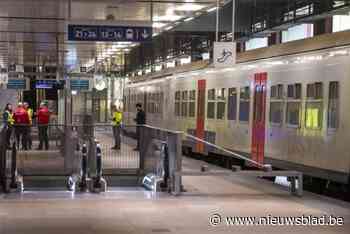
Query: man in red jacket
{"x": 43, "y": 116}
{"x": 22, "y": 122}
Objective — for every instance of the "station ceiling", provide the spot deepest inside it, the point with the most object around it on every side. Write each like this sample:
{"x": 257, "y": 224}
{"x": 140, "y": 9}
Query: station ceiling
{"x": 34, "y": 31}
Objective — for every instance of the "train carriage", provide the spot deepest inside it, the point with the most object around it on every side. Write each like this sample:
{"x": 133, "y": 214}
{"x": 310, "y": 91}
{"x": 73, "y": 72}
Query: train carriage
{"x": 291, "y": 111}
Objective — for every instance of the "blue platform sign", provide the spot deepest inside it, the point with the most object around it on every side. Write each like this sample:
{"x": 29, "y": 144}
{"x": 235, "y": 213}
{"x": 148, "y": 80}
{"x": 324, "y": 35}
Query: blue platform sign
{"x": 80, "y": 85}
{"x": 109, "y": 33}
{"x": 17, "y": 84}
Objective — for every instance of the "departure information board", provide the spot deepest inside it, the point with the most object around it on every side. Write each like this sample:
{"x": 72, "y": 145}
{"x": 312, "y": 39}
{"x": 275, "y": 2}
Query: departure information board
{"x": 109, "y": 33}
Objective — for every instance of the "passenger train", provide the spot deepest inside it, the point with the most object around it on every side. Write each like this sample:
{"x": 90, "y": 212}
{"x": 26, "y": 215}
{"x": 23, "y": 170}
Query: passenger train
{"x": 292, "y": 112}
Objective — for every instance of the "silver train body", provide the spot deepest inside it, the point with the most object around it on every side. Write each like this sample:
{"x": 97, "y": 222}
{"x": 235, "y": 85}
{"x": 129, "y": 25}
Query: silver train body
{"x": 305, "y": 108}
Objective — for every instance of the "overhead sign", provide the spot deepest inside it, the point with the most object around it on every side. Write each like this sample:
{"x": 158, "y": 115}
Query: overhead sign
{"x": 224, "y": 54}
{"x": 108, "y": 33}
{"x": 80, "y": 85}
{"x": 18, "y": 84}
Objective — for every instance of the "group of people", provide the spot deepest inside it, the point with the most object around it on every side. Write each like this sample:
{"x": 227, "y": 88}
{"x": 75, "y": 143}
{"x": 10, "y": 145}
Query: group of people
{"x": 20, "y": 121}
{"x": 117, "y": 118}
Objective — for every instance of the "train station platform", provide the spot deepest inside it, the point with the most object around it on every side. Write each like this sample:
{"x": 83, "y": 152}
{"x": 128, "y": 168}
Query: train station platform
{"x": 134, "y": 210}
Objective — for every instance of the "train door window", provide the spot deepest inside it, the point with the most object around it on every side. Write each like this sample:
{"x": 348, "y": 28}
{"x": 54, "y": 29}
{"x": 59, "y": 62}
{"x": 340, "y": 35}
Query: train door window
{"x": 232, "y": 104}
{"x": 211, "y": 104}
{"x": 184, "y": 102}
{"x": 333, "y": 105}
{"x": 221, "y": 103}
{"x": 177, "y": 103}
{"x": 276, "y": 104}
{"x": 293, "y": 105}
{"x": 244, "y": 104}
{"x": 314, "y": 106}
{"x": 192, "y": 104}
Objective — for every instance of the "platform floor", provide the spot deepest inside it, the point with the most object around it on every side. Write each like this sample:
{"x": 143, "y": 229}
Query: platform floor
{"x": 133, "y": 210}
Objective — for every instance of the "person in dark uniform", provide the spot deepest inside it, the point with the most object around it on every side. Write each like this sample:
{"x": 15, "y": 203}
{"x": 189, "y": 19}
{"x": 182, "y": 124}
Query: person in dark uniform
{"x": 8, "y": 123}
{"x": 140, "y": 120}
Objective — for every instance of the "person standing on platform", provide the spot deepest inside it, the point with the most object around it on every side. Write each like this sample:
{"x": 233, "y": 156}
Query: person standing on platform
{"x": 29, "y": 128}
{"x": 117, "y": 121}
{"x": 140, "y": 120}
{"x": 22, "y": 121}
{"x": 43, "y": 116}
{"x": 8, "y": 124}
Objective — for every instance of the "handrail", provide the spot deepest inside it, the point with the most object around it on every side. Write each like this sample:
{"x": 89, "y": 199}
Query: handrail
{"x": 227, "y": 151}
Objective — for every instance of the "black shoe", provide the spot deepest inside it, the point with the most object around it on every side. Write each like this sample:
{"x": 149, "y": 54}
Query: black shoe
{"x": 39, "y": 148}
{"x": 115, "y": 148}
{"x": 136, "y": 149}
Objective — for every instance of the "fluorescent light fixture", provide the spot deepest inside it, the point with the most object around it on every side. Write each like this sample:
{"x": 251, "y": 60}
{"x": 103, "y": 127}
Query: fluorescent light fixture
{"x": 185, "y": 60}
{"x": 158, "y": 25}
{"x": 148, "y": 70}
{"x": 211, "y": 9}
{"x": 189, "y": 7}
{"x": 167, "y": 18}
{"x": 158, "y": 68}
{"x": 168, "y": 28}
{"x": 205, "y": 56}
{"x": 189, "y": 19}
{"x": 170, "y": 64}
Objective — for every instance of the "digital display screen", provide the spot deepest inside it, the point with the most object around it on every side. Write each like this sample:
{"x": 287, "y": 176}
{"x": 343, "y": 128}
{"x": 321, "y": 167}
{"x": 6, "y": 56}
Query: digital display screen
{"x": 47, "y": 84}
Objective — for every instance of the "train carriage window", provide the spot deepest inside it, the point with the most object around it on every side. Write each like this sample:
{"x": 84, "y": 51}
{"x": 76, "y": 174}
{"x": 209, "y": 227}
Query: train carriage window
{"x": 232, "y": 104}
{"x": 177, "y": 103}
{"x": 293, "y": 105}
{"x": 244, "y": 104}
{"x": 333, "y": 105}
{"x": 184, "y": 102}
{"x": 314, "y": 106}
{"x": 211, "y": 104}
{"x": 221, "y": 103}
{"x": 276, "y": 104}
{"x": 192, "y": 104}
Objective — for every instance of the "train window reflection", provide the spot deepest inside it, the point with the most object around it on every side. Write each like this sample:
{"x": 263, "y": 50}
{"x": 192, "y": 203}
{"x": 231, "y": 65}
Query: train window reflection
{"x": 293, "y": 113}
{"x": 333, "y": 105}
{"x": 211, "y": 110}
{"x": 232, "y": 104}
{"x": 244, "y": 104}
{"x": 276, "y": 112}
{"x": 192, "y": 104}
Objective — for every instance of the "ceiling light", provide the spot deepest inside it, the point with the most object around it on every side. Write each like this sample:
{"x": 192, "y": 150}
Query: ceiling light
{"x": 189, "y": 19}
{"x": 189, "y": 7}
{"x": 167, "y": 17}
{"x": 168, "y": 28}
{"x": 211, "y": 9}
{"x": 155, "y": 34}
{"x": 158, "y": 25}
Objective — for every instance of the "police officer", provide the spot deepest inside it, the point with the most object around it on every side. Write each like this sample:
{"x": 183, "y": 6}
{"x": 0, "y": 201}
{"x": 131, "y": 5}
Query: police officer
{"x": 29, "y": 128}
{"x": 8, "y": 123}
{"x": 140, "y": 120}
{"x": 117, "y": 121}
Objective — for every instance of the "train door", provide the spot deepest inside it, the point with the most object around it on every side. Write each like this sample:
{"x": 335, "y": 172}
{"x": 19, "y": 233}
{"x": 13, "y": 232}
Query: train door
{"x": 200, "y": 132}
{"x": 259, "y": 121}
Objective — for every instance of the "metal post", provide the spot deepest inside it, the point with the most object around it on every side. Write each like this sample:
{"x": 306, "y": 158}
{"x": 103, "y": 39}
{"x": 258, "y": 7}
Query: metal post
{"x": 233, "y": 19}
{"x": 98, "y": 165}
{"x": 83, "y": 183}
{"x": 217, "y": 20}
{"x": 13, "y": 184}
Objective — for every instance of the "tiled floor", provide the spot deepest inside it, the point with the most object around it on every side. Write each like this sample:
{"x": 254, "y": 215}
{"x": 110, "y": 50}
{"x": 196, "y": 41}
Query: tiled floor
{"x": 134, "y": 210}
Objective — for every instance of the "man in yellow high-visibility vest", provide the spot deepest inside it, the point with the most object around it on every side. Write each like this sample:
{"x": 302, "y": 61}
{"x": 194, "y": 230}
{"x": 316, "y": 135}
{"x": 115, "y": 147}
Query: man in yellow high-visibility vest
{"x": 117, "y": 122}
{"x": 29, "y": 128}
